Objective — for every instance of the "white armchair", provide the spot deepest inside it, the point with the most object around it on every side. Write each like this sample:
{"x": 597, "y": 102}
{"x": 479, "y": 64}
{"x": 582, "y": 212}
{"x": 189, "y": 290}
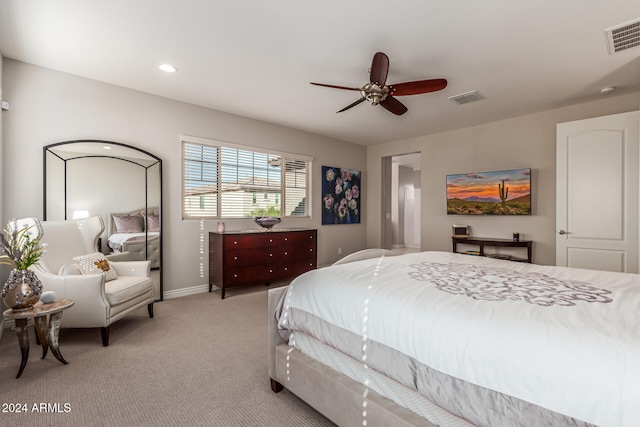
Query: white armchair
{"x": 98, "y": 302}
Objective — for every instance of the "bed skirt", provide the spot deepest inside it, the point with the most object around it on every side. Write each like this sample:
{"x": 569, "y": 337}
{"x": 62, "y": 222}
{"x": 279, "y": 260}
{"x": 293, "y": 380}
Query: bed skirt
{"x": 334, "y": 395}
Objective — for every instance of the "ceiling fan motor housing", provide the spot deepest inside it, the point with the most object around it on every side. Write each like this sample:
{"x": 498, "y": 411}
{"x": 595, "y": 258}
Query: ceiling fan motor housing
{"x": 374, "y": 93}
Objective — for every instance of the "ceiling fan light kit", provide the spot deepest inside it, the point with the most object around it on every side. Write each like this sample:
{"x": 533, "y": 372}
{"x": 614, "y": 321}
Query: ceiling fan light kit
{"x": 377, "y": 92}
{"x": 374, "y": 93}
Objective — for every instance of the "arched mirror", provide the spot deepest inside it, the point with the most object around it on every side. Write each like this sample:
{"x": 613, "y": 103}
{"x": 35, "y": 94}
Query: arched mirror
{"x": 118, "y": 182}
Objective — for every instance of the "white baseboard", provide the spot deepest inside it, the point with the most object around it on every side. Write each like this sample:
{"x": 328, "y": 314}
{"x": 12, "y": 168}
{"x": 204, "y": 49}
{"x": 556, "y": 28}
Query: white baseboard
{"x": 406, "y": 245}
{"x": 177, "y": 293}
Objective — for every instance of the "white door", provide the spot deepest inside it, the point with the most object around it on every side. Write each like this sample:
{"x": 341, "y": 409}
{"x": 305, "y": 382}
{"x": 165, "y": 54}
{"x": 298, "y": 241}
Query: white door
{"x": 597, "y": 193}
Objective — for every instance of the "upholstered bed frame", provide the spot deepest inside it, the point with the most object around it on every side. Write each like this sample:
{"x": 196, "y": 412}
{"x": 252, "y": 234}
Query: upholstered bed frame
{"x": 136, "y": 249}
{"x": 333, "y": 394}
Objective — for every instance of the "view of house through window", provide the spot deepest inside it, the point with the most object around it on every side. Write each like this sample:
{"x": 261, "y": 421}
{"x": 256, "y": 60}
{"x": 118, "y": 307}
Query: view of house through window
{"x": 229, "y": 181}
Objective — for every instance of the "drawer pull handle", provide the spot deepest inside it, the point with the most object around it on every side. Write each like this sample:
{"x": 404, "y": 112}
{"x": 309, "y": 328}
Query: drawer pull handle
{"x": 285, "y": 239}
{"x": 270, "y": 271}
{"x": 270, "y": 240}
{"x": 285, "y": 269}
{"x": 235, "y": 257}
{"x": 235, "y": 275}
{"x": 286, "y": 253}
{"x": 270, "y": 254}
{"x": 235, "y": 242}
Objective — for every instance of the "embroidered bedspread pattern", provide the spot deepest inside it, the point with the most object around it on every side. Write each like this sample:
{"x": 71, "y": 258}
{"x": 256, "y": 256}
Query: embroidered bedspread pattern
{"x": 565, "y": 339}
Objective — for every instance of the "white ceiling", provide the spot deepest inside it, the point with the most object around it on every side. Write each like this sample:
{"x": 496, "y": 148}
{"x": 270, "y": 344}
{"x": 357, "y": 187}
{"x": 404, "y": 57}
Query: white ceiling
{"x": 255, "y": 58}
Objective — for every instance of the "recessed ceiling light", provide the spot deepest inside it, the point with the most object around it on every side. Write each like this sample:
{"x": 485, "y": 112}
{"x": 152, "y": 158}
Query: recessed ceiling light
{"x": 608, "y": 89}
{"x": 168, "y": 68}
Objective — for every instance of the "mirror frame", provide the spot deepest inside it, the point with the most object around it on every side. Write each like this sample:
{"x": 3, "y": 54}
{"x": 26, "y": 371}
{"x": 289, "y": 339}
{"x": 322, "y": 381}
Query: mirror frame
{"x": 49, "y": 149}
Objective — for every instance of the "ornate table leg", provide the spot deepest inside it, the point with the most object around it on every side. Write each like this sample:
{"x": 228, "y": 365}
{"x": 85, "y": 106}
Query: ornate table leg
{"x": 52, "y": 335}
{"x": 41, "y": 328}
{"x": 23, "y": 339}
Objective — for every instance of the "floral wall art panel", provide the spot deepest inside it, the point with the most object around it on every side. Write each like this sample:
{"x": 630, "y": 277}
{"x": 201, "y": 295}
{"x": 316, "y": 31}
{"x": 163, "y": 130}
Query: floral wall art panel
{"x": 341, "y": 194}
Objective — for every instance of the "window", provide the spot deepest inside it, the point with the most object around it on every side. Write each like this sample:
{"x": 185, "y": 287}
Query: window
{"x": 222, "y": 181}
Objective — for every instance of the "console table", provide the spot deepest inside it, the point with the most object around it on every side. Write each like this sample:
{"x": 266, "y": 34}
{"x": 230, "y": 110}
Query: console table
{"x": 482, "y": 243}
{"x": 239, "y": 258}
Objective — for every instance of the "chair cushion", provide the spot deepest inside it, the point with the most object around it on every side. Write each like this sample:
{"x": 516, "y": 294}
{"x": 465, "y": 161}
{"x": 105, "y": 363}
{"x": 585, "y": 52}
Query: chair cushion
{"x": 95, "y": 263}
{"x": 125, "y": 288}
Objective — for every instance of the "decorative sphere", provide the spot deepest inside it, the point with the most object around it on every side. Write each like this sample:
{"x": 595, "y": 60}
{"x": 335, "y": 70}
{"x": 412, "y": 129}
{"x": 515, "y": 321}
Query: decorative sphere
{"x": 47, "y": 297}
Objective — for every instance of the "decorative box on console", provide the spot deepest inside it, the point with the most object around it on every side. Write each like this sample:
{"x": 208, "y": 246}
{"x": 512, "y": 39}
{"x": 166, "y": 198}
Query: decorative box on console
{"x": 240, "y": 258}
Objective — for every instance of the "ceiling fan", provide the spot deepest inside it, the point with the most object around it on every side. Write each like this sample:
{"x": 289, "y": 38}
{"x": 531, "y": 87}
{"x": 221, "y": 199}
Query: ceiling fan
{"x": 378, "y": 92}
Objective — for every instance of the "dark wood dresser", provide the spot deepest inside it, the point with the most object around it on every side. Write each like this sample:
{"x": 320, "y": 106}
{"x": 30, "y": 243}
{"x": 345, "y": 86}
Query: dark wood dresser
{"x": 239, "y": 258}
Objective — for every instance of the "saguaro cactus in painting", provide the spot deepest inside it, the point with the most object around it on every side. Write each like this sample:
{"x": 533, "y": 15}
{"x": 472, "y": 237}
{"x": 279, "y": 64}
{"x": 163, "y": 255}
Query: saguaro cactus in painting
{"x": 503, "y": 192}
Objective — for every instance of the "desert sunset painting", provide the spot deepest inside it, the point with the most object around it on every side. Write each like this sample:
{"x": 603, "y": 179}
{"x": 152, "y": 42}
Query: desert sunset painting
{"x": 506, "y": 192}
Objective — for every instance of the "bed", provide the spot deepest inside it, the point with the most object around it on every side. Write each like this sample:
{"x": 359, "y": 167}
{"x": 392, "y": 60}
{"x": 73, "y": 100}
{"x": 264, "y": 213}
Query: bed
{"x": 437, "y": 338}
{"x": 130, "y": 235}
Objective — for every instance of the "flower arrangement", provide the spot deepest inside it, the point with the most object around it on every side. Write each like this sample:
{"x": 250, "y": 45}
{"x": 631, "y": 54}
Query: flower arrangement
{"x": 20, "y": 246}
{"x": 341, "y": 196}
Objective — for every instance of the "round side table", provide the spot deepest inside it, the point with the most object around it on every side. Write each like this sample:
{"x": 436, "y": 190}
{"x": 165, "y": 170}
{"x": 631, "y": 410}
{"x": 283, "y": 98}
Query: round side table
{"x": 47, "y": 331}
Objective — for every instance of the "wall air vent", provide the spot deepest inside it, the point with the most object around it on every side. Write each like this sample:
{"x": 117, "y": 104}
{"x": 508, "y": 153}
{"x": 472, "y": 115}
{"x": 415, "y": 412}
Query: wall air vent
{"x": 623, "y": 36}
{"x": 465, "y": 98}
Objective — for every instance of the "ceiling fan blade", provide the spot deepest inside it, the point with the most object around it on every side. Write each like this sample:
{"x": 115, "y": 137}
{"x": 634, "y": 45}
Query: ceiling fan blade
{"x": 417, "y": 87}
{"x": 351, "y": 105}
{"x": 336, "y": 87}
{"x": 379, "y": 69}
{"x": 393, "y": 105}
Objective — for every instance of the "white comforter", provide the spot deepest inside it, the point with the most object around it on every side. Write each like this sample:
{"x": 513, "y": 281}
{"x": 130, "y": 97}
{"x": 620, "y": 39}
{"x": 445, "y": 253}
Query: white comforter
{"x": 118, "y": 239}
{"x": 565, "y": 339}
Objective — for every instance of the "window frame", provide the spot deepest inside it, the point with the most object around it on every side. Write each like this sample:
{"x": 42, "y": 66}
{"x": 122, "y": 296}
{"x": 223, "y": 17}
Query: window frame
{"x": 285, "y": 156}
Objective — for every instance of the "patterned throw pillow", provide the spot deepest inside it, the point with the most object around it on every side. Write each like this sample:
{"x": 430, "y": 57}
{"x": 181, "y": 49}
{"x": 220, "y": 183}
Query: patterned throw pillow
{"x": 128, "y": 223}
{"x": 95, "y": 263}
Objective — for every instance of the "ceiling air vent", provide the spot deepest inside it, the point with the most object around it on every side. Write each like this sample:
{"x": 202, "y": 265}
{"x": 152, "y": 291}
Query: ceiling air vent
{"x": 623, "y": 36}
{"x": 465, "y": 98}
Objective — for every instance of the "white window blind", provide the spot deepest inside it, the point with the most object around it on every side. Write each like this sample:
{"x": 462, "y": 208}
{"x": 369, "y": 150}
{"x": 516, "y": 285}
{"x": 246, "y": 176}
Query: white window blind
{"x": 228, "y": 181}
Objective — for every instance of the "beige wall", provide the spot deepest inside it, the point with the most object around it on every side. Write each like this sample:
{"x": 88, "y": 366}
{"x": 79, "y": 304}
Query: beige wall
{"x": 522, "y": 142}
{"x": 49, "y": 106}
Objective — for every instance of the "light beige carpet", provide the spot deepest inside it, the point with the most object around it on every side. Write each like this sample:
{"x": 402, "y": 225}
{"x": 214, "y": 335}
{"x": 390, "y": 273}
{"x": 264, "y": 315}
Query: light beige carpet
{"x": 201, "y": 361}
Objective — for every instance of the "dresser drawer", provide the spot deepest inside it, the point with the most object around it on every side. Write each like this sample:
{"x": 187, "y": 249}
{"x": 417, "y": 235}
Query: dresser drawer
{"x": 250, "y": 257}
{"x": 298, "y": 253}
{"x": 253, "y": 240}
{"x": 298, "y": 238}
{"x": 258, "y": 273}
{"x": 293, "y": 269}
